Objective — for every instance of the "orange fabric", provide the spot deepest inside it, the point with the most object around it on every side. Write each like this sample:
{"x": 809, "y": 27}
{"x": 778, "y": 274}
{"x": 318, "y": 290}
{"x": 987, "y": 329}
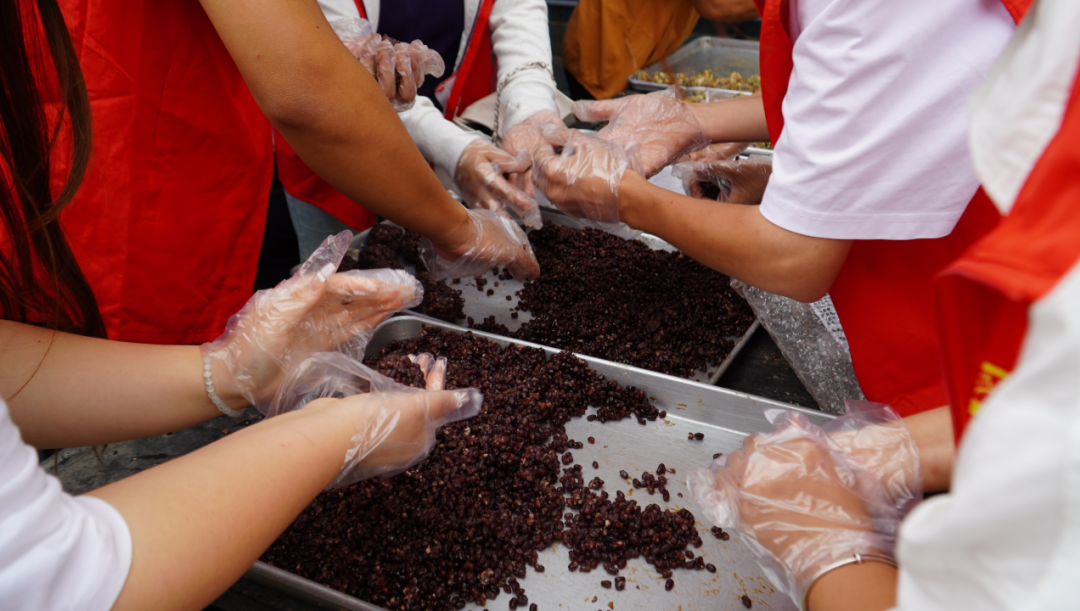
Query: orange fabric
{"x": 884, "y": 292}
{"x": 473, "y": 81}
{"x": 607, "y": 40}
{"x": 984, "y": 297}
{"x": 169, "y": 221}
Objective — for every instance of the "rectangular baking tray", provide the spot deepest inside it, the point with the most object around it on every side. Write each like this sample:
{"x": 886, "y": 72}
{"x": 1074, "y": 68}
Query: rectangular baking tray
{"x": 721, "y": 55}
{"x": 724, "y": 416}
{"x": 479, "y": 305}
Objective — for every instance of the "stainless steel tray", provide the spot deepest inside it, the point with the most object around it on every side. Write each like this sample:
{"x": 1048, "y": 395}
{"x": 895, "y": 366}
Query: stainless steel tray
{"x": 724, "y": 416}
{"x": 479, "y": 305}
{"x": 721, "y": 55}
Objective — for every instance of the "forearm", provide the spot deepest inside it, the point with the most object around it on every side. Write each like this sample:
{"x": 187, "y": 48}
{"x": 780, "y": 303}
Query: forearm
{"x": 933, "y": 435}
{"x": 734, "y": 239}
{"x": 199, "y": 521}
{"x": 870, "y": 586}
{"x": 739, "y": 119}
{"x": 66, "y": 390}
{"x": 333, "y": 113}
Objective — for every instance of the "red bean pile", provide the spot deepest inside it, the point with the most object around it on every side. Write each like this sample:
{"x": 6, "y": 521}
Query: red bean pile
{"x": 465, "y": 523}
{"x": 386, "y": 247}
{"x": 622, "y": 301}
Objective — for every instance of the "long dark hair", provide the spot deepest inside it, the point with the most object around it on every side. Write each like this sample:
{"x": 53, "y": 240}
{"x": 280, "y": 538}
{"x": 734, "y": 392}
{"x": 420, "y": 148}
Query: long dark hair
{"x": 39, "y": 276}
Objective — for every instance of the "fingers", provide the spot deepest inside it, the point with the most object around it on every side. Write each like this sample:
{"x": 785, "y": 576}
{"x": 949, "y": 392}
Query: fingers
{"x": 407, "y": 81}
{"x": 436, "y": 377}
{"x": 385, "y": 70}
{"x": 595, "y": 111}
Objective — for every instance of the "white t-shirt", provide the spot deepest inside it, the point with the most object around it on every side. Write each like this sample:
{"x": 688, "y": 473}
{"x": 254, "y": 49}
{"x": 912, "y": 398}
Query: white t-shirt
{"x": 57, "y": 551}
{"x": 1007, "y": 536}
{"x": 875, "y": 132}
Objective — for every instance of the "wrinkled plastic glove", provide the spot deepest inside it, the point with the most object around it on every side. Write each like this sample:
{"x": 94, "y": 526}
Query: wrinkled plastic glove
{"x": 660, "y": 125}
{"x": 399, "y": 68}
{"x": 875, "y": 437}
{"x": 496, "y": 241}
{"x": 399, "y": 422}
{"x": 798, "y": 501}
{"x": 580, "y": 175}
{"x": 315, "y": 310}
{"x": 479, "y": 178}
{"x": 522, "y": 139}
{"x": 434, "y": 370}
{"x": 734, "y": 181}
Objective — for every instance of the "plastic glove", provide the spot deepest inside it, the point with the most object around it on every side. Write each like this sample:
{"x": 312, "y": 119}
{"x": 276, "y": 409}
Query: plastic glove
{"x": 663, "y": 127}
{"x": 496, "y": 241}
{"x": 399, "y": 68}
{"x": 399, "y": 424}
{"x": 434, "y": 370}
{"x": 580, "y": 175}
{"x": 479, "y": 177}
{"x": 798, "y": 500}
{"x": 734, "y": 181}
{"x": 521, "y": 139}
{"x": 315, "y": 310}
{"x": 875, "y": 437}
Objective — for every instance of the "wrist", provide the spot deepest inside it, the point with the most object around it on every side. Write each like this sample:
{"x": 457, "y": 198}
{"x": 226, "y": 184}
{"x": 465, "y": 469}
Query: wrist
{"x": 633, "y": 199}
{"x": 869, "y": 585}
{"x": 457, "y": 237}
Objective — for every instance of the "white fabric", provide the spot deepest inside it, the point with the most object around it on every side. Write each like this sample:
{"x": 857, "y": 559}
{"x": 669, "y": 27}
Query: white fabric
{"x": 1012, "y": 125}
{"x": 519, "y": 36}
{"x": 874, "y": 144}
{"x": 57, "y": 551}
{"x": 1007, "y": 537}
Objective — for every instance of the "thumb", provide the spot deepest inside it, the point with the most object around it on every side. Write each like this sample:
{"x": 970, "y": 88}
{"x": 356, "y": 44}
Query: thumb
{"x": 592, "y": 111}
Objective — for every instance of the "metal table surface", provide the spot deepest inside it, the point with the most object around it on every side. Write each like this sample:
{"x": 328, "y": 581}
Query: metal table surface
{"x": 759, "y": 370}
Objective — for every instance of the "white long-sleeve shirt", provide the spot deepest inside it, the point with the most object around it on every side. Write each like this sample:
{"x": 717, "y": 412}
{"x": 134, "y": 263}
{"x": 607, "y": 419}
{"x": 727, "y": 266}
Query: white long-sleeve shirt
{"x": 1007, "y": 536}
{"x": 519, "y": 36}
{"x": 58, "y": 552}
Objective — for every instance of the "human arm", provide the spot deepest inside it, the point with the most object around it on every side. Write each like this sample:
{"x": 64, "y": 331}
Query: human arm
{"x": 67, "y": 390}
{"x": 335, "y": 116}
{"x": 726, "y": 11}
{"x": 245, "y": 490}
{"x": 734, "y": 239}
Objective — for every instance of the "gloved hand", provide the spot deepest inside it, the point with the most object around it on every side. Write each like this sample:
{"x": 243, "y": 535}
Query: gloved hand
{"x": 875, "y": 437}
{"x": 521, "y": 139}
{"x": 580, "y": 174}
{"x": 479, "y": 177}
{"x": 798, "y": 500}
{"x": 735, "y": 181}
{"x": 495, "y": 241}
{"x": 398, "y": 67}
{"x": 397, "y": 423}
{"x": 398, "y": 429}
{"x": 434, "y": 370}
{"x": 662, "y": 127}
{"x": 315, "y": 310}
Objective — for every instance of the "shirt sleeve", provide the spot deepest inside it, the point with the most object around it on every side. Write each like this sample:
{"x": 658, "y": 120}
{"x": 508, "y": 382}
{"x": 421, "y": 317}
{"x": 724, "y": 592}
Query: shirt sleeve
{"x": 440, "y": 141}
{"x": 874, "y": 144}
{"x": 57, "y": 552}
{"x": 520, "y": 36}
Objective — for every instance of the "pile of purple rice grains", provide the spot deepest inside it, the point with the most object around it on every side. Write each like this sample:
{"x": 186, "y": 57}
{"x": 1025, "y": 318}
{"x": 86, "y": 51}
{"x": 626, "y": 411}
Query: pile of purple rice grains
{"x": 467, "y": 522}
{"x": 387, "y": 246}
{"x": 620, "y": 300}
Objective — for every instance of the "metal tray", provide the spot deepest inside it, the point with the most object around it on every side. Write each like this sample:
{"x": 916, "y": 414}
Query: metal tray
{"x": 479, "y": 305}
{"x": 724, "y": 416}
{"x": 721, "y": 55}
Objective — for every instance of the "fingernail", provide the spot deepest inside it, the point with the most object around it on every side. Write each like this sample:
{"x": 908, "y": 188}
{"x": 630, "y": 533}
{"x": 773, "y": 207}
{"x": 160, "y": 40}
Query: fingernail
{"x": 326, "y": 271}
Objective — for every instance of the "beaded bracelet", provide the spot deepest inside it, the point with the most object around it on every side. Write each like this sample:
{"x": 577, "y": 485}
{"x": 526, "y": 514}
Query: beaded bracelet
{"x": 856, "y": 558}
{"x": 209, "y": 381}
{"x": 496, "y": 137}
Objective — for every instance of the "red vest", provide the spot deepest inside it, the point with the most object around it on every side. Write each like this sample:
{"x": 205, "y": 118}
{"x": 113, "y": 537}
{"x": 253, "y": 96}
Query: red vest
{"x": 169, "y": 221}
{"x": 984, "y": 297}
{"x": 474, "y": 80}
{"x": 883, "y": 294}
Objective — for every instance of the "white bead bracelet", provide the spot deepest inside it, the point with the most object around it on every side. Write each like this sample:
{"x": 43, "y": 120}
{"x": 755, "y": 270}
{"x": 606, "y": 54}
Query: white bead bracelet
{"x": 209, "y": 381}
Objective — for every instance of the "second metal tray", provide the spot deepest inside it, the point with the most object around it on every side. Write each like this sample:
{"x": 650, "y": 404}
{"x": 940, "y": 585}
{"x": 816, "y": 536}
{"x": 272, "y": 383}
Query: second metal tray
{"x": 721, "y": 55}
{"x": 724, "y": 416}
